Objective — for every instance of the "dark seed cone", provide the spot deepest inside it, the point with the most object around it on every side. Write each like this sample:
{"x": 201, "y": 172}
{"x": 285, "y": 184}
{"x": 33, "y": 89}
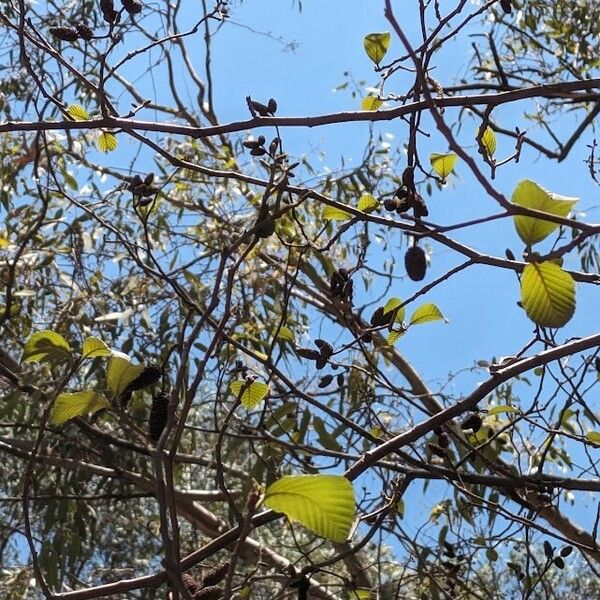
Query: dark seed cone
{"x": 133, "y": 7}
{"x": 548, "y": 549}
{"x": 158, "y": 416}
{"x": 408, "y": 178}
{"x": 506, "y": 6}
{"x": 258, "y": 108}
{"x": 379, "y": 318}
{"x": 437, "y": 450}
{"x": 192, "y": 585}
{"x": 272, "y": 106}
{"x": 325, "y": 347}
{"x": 443, "y": 440}
{"x": 85, "y": 33}
{"x": 559, "y": 562}
{"x": 149, "y": 179}
{"x": 258, "y": 151}
{"x": 390, "y": 204}
{"x": 321, "y": 362}
{"x": 308, "y": 353}
{"x": 149, "y": 376}
{"x": 419, "y": 206}
{"x": 66, "y": 34}
{"x": 216, "y": 575}
{"x": 250, "y": 144}
{"x": 325, "y": 381}
{"x": 415, "y": 263}
{"x": 509, "y": 254}
{"x": 108, "y": 11}
{"x": 340, "y": 379}
{"x": 125, "y": 398}
{"x": 212, "y": 592}
{"x": 266, "y": 228}
{"x": 566, "y": 551}
{"x": 473, "y": 422}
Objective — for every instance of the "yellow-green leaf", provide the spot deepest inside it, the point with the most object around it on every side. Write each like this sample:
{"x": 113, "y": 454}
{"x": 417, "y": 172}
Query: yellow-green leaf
{"x": 253, "y": 393}
{"x": 400, "y": 508}
{"x": 426, "y": 313}
{"x": 120, "y": 372}
{"x": 107, "y": 142}
{"x": 376, "y": 45}
{"x": 504, "y": 408}
{"x": 94, "y": 347}
{"x": 393, "y": 304}
{"x": 335, "y": 214}
{"x": 361, "y": 594}
{"x": 285, "y": 333}
{"x": 530, "y": 195}
{"x": 46, "y": 345}
{"x": 593, "y": 437}
{"x": 371, "y": 103}
{"x": 324, "y": 504}
{"x": 78, "y": 112}
{"x": 394, "y": 336}
{"x": 70, "y": 405}
{"x": 443, "y": 164}
{"x": 547, "y": 294}
{"x": 488, "y": 139}
{"x": 367, "y": 203}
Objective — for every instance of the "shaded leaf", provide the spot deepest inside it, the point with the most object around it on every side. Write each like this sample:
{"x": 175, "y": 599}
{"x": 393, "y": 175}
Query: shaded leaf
{"x": 70, "y": 405}
{"x": 46, "y": 345}
{"x": 530, "y": 195}
{"x": 547, "y": 294}
{"x": 323, "y": 503}
{"x": 376, "y": 45}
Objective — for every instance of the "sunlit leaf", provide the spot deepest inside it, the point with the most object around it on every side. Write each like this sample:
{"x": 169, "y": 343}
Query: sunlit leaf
{"x": 505, "y": 408}
{"x": 107, "y": 142}
{"x": 367, "y": 203}
{"x": 593, "y": 437}
{"x": 94, "y": 347}
{"x": 324, "y": 504}
{"x": 530, "y": 195}
{"x": 394, "y": 336}
{"x": 547, "y": 294}
{"x": 393, "y": 304}
{"x": 376, "y": 45}
{"x": 253, "y": 393}
{"x": 361, "y": 594}
{"x": 371, "y": 103}
{"x": 78, "y": 112}
{"x": 120, "y": 372}
{"x": 488, "y": 139}
{"x": 426, "y": 313}
{"x": 46, "y": 345}
{"x": 70, "y": 405}
{"x": 285, "y": 333}
{"x": 335, "y": 214}
{"x": 443, "y": 164}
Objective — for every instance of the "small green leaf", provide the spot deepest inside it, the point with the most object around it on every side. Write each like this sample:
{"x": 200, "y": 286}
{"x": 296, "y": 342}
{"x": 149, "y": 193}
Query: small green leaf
{"x": 394, "y": 336}
{"x": 393, "y": 304}
{"x": 335, "y": 214}
{"x": 253, "y": 393}
{"x": 68, "y": 406}
{"x": 400, "y": 508}
{"x": 120, "y": 372}
{"x": 426, "y": 313}
{"x": 593, "y": 437}
{"x": 77, "y": 112}
{"x": 488, "y": 139}
{"x": 324, "y": 504}
{"x": 530, "y": 195}
{"x": 285, "y": 333}
{"x": 547, "y": 294}
{"x": 107, "y": 142}
{"x": 94, "y": 347}
{"x": 505, "y": 408}
{"x": 371, "y": 103}
{"x": 491, "y": 555}
{"x": 367, "y": 203}
{"x": 376, "y": 45}
{"x": 46, "y": 345}
{"x": 361, "y": 594}
{"x": 443, "y": 164}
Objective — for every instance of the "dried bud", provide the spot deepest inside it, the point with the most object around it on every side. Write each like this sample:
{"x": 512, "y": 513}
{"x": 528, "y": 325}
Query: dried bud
{"x": 158, "y": 416}
{"x": 390, "y": 204}
{"x": 509, "y": 254}
{"x": 548, "y": 549}
{"x": 272, "y": 106}
{"x": 66, "y": 34}
{"x": 149, "y": 179}
{"x": 415, "y": 262}
{"x": 419, "y": 206}
{"x": 473, "y": 422}
{"x": 408, "y": 178}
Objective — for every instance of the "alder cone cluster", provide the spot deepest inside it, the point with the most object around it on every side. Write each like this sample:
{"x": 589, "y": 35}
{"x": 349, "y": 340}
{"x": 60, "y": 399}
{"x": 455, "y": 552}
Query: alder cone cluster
{"x": 415, "y": 262}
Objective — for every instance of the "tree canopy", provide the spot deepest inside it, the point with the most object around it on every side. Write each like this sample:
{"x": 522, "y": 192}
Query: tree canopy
{"x": 257, "y": 348}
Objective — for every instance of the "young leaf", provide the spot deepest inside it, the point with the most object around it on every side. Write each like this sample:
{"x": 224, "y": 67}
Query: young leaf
{"x": 593, "y": 437}
{"x": 78, "y": 112}
{"x": 391, "y": 305}
{"x": 285, "y": 333}
{"x": 120, "y": 372}
{"x": 253, "y": 392}
{"x": 335, "y": 214}
{"x": 530, "y": 195}
{"x": 367, "y": 203}
{"x": 361, "y": 594}
{"x": 505, "y": 408}
{"x": 394, "y": 336}
{"x": 46, "y": 345}
{"x": 371, "y": 103}
{"x": 107, "y": 142}
{"x": 70, "y": 405}
{"x": 443, "y": 164}
{"x": 376, "y": 45}
{"x": 488, "y": 139}
{"x": 323, "y": 503}
{"x": 547, "y": 294}
{"x": 426, "y": 313}
{"x": 94, "y": 347}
